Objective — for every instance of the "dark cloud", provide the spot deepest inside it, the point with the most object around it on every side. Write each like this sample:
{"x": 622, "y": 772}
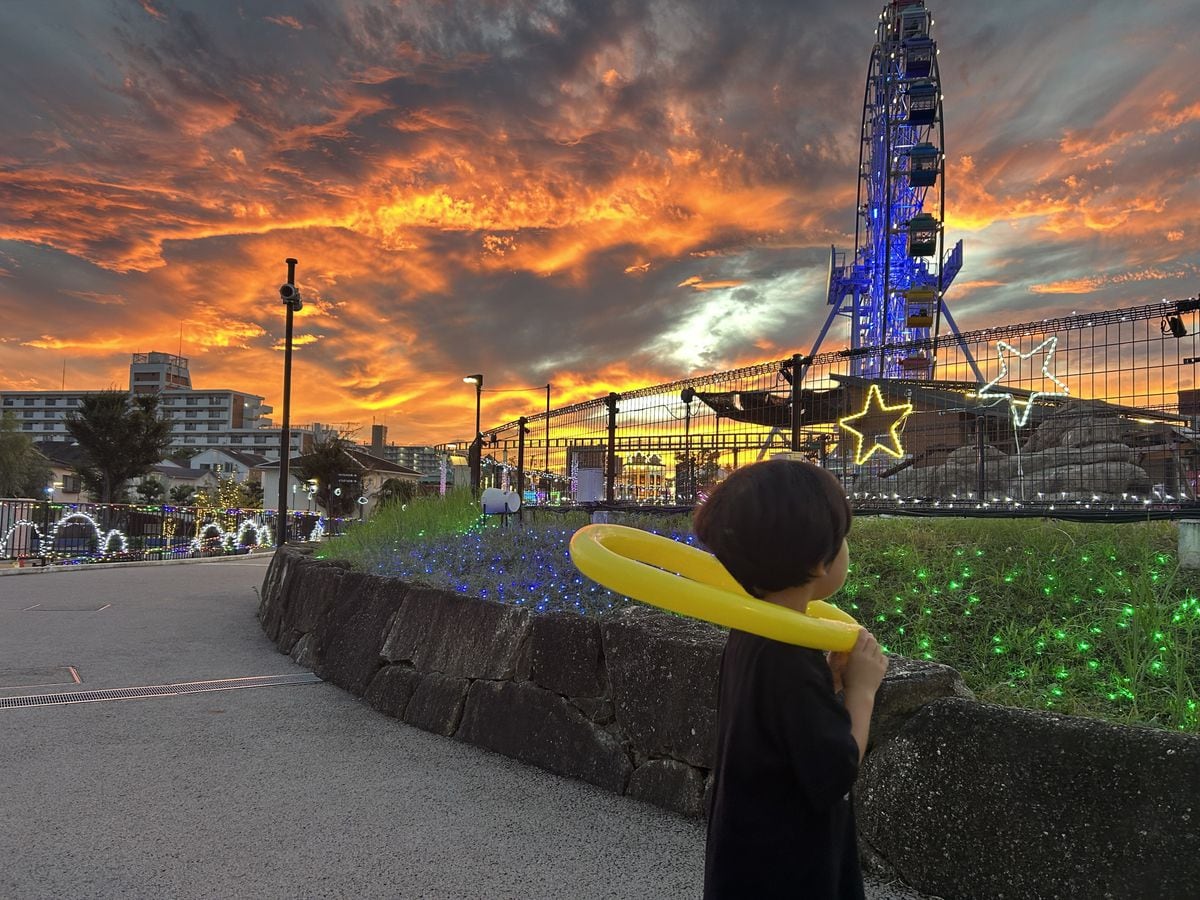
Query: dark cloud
{"x": 595, "y": 194}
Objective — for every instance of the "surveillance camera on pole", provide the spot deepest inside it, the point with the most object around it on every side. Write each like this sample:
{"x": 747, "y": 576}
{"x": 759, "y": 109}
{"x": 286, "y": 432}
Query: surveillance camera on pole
{"x": 290, "y": 294}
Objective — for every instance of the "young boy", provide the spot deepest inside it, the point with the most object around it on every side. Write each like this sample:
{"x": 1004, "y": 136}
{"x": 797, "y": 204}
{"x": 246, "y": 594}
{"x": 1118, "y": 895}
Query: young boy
{"x": 780, "y": 823}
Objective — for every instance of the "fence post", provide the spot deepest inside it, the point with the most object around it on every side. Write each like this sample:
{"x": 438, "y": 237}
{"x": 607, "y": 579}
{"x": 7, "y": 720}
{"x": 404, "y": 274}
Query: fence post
{"x": 796, "y": 358}
{"x": 521, "y": 459}
{"x": 44, "y": 551}
{"x": 981, "y": 448}
{"x": 610, "y": 475}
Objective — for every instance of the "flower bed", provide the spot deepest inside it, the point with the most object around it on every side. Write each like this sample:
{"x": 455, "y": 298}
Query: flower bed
{"x": 1084, "y": 619}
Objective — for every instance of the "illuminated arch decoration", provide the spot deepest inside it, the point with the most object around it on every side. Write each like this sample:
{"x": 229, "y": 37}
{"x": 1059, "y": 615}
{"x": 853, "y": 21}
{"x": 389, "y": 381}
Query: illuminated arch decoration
{"x": 114, "y": 543}
{"x": 1020, "y": 418}
{"x": 108, "y": 543}
{"x": 261, "y": 534}
{"x": 211, "y": 536}
{"x": 873, "y": 408}
{"x": 20, "y": 523}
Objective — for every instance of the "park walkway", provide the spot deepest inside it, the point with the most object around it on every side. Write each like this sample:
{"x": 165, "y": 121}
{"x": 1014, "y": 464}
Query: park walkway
{"x": 294, "y": 790}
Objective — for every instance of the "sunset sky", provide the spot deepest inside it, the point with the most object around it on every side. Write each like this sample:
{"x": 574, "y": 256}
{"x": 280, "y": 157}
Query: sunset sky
{"x": 602, "y": 195}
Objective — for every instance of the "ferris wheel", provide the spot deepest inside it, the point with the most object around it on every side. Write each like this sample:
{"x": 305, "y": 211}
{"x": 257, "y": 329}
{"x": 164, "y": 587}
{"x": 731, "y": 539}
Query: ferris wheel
{"x": 893, "y": 289}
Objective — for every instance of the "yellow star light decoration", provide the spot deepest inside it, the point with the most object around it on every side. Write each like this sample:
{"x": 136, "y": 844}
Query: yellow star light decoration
{"x": 875, "y": 408}
{"x": 1020, "y": 418}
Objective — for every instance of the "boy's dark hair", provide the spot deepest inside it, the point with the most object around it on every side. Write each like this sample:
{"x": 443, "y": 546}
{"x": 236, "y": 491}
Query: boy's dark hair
{"x": 771, "y": 523}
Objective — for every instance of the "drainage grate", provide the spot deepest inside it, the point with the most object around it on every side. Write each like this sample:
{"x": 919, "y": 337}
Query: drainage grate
{"x": 157, "y": 690}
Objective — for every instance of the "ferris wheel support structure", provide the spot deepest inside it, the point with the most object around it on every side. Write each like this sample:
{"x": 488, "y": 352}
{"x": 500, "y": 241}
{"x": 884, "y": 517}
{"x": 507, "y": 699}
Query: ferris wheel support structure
{"x": 893, "y": 289}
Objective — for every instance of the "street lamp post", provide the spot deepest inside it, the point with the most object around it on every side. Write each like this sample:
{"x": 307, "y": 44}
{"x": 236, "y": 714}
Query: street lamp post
{"x": 687, "y": 395}
{"x": 290, "y": 295}
{"x": 477, "y": 443}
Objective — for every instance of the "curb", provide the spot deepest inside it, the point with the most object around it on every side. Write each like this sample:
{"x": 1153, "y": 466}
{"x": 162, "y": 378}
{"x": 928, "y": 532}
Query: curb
{"x": 87, "y": 567}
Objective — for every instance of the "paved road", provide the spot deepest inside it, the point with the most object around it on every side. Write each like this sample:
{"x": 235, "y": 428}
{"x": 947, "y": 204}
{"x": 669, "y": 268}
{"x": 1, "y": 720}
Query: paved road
{"x": 280, "y": 791}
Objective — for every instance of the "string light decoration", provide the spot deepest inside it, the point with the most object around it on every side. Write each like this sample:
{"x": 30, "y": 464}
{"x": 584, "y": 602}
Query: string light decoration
{"x": 875, "y": 408}
{"x": 20, "y": 523}
{"x": 262, "y": 534}
{"x": 1022, "y": 417}
{"x": 110, "y": 543}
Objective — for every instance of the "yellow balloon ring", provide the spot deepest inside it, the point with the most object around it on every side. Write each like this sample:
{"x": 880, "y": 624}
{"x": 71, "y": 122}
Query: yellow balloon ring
{"x": 686, "y": 580}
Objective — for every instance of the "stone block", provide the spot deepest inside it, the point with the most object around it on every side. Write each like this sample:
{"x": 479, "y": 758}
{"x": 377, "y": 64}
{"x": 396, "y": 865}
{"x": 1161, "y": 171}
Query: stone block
{"x": 275, "y": 593}
{"x": 391, "y": 689}
{"x": 437, "y": 703}
{"x": 596, "y": 709}
{"x": 438, "y": 631}
{"x": 1189, "y": 543}
{"x": 352, "y": 628}
{"x": 304, "y": 653}
{"x": 670, "y": 784}
{"x": 539, "y": 727}
{"x": 566, "y": 655}
{"x": 908, "y": 685}
{"x": 975, "y": 800}
{"x": 1055, "y": 457}
{"x": 1065, "y": 417}
{"x": 288, "y": 638}
{"x": 1098, "y": 431}
{"x": 965, "y": 457}
{"x": 311, "y": 589}
{"x": 1111, "y": 478}
{"x": 663, "y": 673}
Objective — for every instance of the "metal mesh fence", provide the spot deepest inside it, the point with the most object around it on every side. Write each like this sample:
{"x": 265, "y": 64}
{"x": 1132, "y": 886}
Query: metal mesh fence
{"x": 1079, "y": 414}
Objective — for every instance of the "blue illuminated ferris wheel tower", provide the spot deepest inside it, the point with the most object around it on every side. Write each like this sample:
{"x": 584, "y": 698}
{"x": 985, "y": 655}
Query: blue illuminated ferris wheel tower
{"x": 893, "y": 289}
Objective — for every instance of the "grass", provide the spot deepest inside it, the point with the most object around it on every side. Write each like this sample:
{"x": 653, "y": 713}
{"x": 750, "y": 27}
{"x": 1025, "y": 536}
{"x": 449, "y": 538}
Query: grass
{"x": 1087, "y": 619}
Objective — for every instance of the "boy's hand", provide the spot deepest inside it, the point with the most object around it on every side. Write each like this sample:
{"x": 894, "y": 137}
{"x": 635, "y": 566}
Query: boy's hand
{"x": 865, "y": 665}
{"x": 837, "y": 666}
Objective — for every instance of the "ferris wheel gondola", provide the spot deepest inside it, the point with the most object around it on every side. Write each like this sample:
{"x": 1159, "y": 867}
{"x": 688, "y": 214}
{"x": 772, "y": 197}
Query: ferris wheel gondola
{"x": 893, "y": 289}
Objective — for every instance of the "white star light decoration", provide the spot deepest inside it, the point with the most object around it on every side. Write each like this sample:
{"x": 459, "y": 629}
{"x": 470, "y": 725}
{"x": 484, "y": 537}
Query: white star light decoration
{"x": 1020, "y": 418}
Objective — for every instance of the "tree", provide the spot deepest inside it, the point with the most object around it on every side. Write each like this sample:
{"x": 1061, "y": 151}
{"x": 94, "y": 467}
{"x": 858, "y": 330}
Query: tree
{"x": 254, "y": 493}
{"x": 183, "y": 455}
{"x": 23, "y": 471}
{"x": 326, "y": 464}
{"x": 229, "y": 493}
{"x": 150, "y": 490}
{"x": 395, "y": 491}
{"x": 183, "y": 494}
{"x": 695, "y": 471}
{"x": 121, "y": 437}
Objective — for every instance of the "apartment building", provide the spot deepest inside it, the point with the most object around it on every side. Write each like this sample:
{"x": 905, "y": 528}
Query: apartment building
{"x": 200, "y": 419}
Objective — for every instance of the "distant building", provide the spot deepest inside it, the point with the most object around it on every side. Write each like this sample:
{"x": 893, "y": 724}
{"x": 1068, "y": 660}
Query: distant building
{"x": 366, "y": 476}
{"x": 65, "y": 484}
{"x": 424, "y": 459}
{"x": 200, "y": 418}
{"x": 239, "y": 465}
{"x": 171, "y": 476}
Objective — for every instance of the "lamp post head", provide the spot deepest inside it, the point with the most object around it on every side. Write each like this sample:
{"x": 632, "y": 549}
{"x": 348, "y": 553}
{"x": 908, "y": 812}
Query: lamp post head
{"x": 476, "y": 380}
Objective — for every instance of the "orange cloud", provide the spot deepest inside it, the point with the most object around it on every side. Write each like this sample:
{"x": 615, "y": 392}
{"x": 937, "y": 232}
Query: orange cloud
{"x": 696, "y": 283}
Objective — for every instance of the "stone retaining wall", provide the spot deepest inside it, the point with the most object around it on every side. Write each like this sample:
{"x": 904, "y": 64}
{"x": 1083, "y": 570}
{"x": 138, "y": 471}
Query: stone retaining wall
{"x": 950, "y": 795}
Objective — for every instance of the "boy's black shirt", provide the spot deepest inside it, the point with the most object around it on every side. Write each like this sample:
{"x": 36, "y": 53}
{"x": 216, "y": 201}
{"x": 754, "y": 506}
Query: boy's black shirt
{"x": 780, "y": 823}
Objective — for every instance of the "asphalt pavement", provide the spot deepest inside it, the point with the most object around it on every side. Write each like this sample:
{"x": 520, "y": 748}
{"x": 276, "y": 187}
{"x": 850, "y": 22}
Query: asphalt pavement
{"x": 283, "y": 791}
